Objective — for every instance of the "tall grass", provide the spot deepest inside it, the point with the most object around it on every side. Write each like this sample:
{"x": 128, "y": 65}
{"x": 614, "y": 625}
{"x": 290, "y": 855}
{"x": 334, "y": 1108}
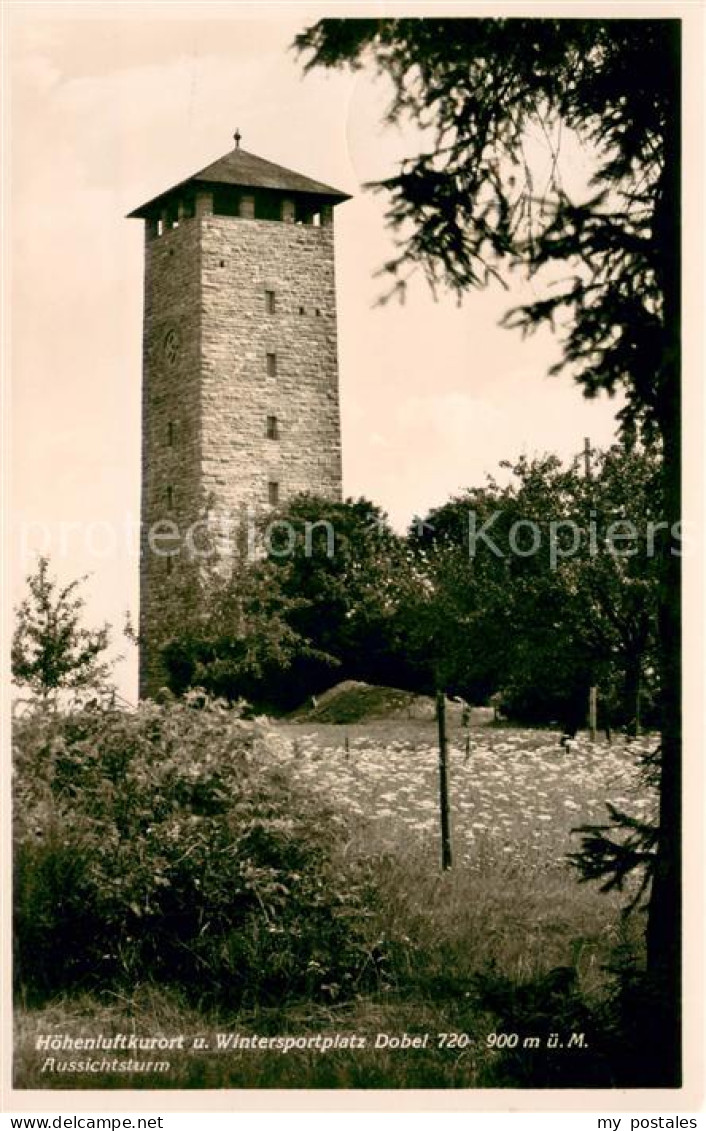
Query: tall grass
{"x": 347, "y": 925}
{"x": 471, "y": 955}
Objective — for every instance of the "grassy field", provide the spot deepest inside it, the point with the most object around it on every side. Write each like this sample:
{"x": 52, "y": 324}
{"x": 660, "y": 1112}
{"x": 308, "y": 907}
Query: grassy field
{"x": 517, "y": 794}
{"x": 507, "y": 943}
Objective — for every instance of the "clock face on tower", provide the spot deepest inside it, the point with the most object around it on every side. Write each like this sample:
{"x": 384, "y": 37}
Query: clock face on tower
{"x": 172, "y": 345}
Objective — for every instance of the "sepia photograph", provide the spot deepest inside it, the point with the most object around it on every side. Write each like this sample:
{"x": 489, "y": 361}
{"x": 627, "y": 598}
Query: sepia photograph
{"x": 352, "y": 450}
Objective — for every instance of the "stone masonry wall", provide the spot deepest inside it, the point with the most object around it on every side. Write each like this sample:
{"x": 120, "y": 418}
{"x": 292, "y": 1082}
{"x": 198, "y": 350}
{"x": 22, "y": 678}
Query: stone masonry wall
{"x": 241, "y": 261}
{"x": 171, "y": 428}
{"x": 208, "y": 388}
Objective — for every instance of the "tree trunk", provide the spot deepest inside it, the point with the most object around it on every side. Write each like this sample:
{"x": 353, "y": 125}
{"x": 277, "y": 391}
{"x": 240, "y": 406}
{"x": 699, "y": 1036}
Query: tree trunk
{"x": 665, "y": 910}
{"x": 664, "y": 927}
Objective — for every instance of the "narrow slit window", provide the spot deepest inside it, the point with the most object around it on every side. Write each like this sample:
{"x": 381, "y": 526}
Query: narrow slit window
{"x": 271, "y": 364}
{"x": 270, "y": 302}
{"x": 171, "y": 432}
{"x": 272, "y": 428}
{"x": 170, "y": 498}
{"x": 273, "y": 493}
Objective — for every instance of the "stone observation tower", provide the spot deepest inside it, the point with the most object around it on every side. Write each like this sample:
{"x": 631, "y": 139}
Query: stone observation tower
{"x": 240, "y": 375}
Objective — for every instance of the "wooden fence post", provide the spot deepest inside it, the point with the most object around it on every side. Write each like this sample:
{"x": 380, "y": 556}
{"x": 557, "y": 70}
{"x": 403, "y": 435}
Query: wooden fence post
{"x": 466, "y": 721}
{"x": 443, "y": 782}
{"x": 593, "y": 712}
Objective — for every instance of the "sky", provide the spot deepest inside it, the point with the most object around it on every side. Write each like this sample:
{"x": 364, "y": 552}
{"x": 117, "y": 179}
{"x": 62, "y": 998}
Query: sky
{"x": 110, "y": 106}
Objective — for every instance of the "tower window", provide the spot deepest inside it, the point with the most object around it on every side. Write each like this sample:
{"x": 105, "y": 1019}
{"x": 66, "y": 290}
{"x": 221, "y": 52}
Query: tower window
{"x": 273, "y": 493}
{"x": 302, "y": 310}
{"x": 272, "y": 428}
{"x": 170, "y": 498}
{"x": 226, "y": 201}
{"x": 268, "y": 205}
{"x": 307, "y": 215}
{"x": 270, "y": 302}
{"x": 271, "y": 364}
{"x": 171, "y": 432}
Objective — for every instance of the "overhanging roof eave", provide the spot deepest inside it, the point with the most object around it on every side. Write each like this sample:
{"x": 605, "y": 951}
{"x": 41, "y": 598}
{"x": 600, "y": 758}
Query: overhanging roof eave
{"x": 144, "y": 211}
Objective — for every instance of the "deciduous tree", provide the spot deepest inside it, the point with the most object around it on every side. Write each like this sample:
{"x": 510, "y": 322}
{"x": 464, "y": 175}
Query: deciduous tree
{"x": 51, "y": 649}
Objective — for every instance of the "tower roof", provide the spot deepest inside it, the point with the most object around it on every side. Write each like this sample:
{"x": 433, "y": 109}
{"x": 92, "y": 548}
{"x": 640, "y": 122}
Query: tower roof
{"x": 240, "y": 168}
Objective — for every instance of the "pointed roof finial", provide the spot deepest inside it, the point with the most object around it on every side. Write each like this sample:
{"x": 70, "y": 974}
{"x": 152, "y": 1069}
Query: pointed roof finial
{"x": 237, "y": 136}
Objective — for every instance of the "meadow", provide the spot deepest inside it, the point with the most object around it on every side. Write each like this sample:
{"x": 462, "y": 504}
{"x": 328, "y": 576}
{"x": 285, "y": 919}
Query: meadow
{"x": 507, "y": 951}
{"x": 516, "y": 794}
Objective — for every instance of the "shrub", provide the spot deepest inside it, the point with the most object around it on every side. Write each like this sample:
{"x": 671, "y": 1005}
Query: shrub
{"x": 173, "y": 845}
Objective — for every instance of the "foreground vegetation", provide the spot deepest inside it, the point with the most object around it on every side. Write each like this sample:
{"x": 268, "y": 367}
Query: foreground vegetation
{"x": 199, "y": 874}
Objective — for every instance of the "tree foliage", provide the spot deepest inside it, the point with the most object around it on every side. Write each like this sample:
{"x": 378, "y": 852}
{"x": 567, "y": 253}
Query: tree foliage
{"x": 554, "y": 583}
{"x": 313, "y": 606}
{"x": 233, "y": 634}
{"x": 341, "y": 596}
{"x": 343, "y": 562}
{"x": 51, "y": 650}
{"x": 468, "y": 205}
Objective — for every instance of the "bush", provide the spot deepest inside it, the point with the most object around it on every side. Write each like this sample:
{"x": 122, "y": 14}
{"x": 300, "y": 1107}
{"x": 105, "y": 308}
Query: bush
{"x": 173, "y": 845}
